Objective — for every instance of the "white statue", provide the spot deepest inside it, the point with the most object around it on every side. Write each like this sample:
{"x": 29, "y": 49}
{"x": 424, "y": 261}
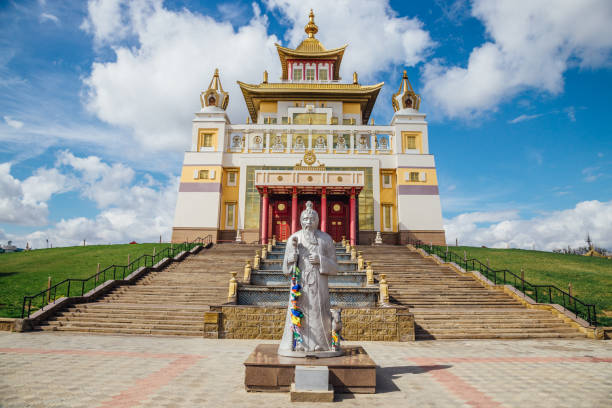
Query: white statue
{"x": 236, "y": 142}
{"x": 278, "y": 143}
{"x": 308, "y": 326}
{"x": 363, "y": 143}
{"x": 299, "y": 143}
{"x": 341, "y": 144}
{"x": 257, "y": 142}
{"x": 320, "y": 143}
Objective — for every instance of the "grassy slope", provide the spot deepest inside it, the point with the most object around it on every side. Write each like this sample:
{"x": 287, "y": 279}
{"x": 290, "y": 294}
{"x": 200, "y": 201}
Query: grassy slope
{"x": 26, "y": 273}
{"x": 591, "y": 278}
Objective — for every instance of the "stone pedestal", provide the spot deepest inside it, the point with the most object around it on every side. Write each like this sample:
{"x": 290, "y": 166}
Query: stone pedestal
{"x": 353, "y": 372}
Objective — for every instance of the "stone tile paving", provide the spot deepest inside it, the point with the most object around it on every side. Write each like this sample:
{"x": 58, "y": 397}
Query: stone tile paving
{"x": 78, "y": 370}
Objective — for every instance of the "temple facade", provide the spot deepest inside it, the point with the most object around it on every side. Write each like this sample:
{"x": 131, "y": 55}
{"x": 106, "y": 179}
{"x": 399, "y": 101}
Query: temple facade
{"x": 309, "y": 137}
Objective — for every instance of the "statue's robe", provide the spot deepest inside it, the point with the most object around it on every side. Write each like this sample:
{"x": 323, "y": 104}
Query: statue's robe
{"x": 314, "y": 301}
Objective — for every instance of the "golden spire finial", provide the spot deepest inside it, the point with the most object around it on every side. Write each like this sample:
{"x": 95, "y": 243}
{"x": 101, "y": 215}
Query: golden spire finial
{"x": 405, "y": 97}
{"x": 215, "y": 82}
{"x": 311, "y": 28}
{"x": 214, "y": 95}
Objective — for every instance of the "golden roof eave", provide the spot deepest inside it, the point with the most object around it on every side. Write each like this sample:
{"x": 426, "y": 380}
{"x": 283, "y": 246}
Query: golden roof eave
{"x": 364, "y": 95}
{"x": 288, "y": 53}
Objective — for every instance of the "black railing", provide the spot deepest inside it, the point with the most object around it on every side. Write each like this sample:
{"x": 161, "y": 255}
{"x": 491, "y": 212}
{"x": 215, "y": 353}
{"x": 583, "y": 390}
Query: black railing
{"x": 538, "y": 293}
{"x": 78, "y": 287}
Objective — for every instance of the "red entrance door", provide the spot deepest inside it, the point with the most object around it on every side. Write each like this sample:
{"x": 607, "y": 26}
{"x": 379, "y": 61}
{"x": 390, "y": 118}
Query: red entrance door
{"x": 281, "y": 220}
{"x": 337, "y": 219}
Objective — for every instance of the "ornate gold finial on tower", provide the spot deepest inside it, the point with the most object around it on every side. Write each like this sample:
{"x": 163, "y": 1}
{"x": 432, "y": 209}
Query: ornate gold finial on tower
{"x": 214, "y": 95}
{"x": 311, "y": 28}
{"x": 265, "y": 77}
{"x": 355, "y": 78}
{"x": 405, "y": 97}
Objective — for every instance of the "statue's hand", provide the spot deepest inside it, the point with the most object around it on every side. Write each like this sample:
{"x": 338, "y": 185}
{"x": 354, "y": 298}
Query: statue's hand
{"x": 314, "y": 259}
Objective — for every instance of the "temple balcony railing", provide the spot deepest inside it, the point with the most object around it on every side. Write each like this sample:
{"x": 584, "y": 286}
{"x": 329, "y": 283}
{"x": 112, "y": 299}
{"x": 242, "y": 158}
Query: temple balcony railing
{"x": 337, "y": 139}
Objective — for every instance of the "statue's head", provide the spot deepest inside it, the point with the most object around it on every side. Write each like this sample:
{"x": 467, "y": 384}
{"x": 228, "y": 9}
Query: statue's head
{"x": 309, "y": 218}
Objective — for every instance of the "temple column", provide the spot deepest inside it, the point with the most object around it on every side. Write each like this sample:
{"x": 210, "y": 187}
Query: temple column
{"x": 324, "y": 210}
{"x": 353, "y": 215}
{"x": 264, "y": 216}
{"x": 294, "y": 211}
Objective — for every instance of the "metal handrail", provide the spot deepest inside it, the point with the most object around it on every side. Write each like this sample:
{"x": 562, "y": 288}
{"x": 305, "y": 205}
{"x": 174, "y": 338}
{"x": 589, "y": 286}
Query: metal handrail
{"x": 81, "y": 286}
{"x": 506, "y": 277}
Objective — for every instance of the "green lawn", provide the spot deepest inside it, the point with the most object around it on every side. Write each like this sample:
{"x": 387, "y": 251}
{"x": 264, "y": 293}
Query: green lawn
{"x": 591, "y": 278}
{"x": 27, "y": 273}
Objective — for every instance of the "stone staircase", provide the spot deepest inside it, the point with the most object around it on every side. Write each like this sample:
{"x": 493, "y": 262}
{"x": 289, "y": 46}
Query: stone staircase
{"x": 168, "y": 302}
{"x": 447, "y": 305}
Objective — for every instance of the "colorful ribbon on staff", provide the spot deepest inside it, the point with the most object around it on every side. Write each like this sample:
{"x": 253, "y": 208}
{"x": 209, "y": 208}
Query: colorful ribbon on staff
{"x": 296, "y": 313}
{"x": 334, "y": 342}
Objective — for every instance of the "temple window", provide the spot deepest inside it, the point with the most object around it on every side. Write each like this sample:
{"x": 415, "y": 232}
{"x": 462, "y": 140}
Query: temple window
{"x": 387, "y": 217}
{"x": 349, "y": 121}
{"x": 268, "y": 120}
{"x": 334, "y": 120}
{"x": 203, "y": 174}
{"x": 230, "y": 210}
{"x": 310, "y": 74}
{"x": 386, "y": 181}
{"x": 207, "y": 140}
{"x": 231, "y": 178}
{"x": 297, "y": 74}
{"x": 322, "y": 75}
{"x": 411, "y": 142}
{"x": 285, "y": 120}
{"x": 414, "y": 176}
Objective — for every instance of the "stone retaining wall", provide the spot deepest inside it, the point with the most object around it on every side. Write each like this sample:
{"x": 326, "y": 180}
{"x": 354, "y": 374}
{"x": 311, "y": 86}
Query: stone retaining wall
{"x": 7, "y": 324}
{"x": 359, "y": 324}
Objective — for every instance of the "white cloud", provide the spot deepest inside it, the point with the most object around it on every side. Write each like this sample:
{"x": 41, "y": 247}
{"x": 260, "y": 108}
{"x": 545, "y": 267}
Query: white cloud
{"x": 105, "y": 20}
{"x": 592, "y": 173}
{"x": 101, "y": 183}
{"x": 152, "y": 88}
{"x": 377, "y": 38}
{"x": 532, "y": 44}
{"x": 523, "y": 118}
{"x": 142, "y": 214}
{"x": 13, "y": 123}
{"x": 49, "y": 17}
{"x": 130, "y": 210}
{"x": 554, "y": 230}
{"x": 44, "y": 183}
{"x": 17, "y": 207}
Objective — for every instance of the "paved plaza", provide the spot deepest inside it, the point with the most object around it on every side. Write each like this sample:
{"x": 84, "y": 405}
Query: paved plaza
{"x": 77, "y": 370}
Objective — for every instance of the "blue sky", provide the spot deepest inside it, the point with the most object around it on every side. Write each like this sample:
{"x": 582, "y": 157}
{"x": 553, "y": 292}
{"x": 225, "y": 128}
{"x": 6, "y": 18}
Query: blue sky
{"x": 96, "y": 100}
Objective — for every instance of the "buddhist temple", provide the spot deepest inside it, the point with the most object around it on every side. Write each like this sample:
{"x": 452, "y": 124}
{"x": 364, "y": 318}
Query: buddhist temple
{"x": 309, "y": 137}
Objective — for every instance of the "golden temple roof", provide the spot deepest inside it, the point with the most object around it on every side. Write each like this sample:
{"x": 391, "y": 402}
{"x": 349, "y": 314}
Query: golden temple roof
{"x": 310, "y": 48}
{"x": 299, "y": 91}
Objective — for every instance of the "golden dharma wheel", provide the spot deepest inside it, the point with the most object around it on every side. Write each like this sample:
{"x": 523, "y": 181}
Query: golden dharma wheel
{"x": 309, "y": 157}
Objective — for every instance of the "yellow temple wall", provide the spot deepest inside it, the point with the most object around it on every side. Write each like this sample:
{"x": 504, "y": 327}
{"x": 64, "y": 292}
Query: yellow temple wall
{"x": 431, "y": 178}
